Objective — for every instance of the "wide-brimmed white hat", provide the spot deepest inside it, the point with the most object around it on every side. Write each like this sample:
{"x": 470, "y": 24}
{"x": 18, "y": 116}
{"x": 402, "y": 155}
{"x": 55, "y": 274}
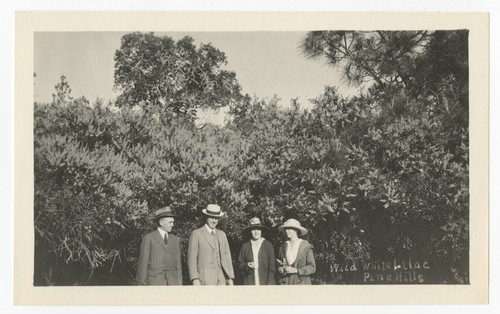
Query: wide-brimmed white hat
{"x": 294, "y": 224}
{"x": 213, "y": 210}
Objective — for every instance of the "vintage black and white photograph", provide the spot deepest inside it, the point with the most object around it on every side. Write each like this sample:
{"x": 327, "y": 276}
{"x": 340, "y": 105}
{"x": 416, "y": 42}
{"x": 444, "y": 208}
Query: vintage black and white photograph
{"x": 346, "y": 150}
{"x": 321, "y": 157}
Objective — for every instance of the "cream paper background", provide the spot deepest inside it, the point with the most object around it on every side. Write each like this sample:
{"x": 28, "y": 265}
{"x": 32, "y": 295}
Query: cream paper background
{"x": 26, "y": 23}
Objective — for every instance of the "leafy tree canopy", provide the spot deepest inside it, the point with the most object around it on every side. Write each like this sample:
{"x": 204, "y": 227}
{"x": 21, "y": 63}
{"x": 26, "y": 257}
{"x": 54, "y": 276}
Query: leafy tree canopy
{"x": 158, "y": 73}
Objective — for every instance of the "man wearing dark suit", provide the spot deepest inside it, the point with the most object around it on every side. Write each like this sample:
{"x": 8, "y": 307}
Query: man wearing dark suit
{"x": 160, "y": 254}
{"x": 209, "y": 257}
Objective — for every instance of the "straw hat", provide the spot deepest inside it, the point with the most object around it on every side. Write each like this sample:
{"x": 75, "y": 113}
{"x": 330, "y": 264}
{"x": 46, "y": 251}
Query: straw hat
{"x": 213, "y": 210}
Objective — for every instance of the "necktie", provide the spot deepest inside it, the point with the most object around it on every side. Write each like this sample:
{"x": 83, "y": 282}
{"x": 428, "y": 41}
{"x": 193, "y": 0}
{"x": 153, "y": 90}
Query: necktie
{"x": 165, "y": 239}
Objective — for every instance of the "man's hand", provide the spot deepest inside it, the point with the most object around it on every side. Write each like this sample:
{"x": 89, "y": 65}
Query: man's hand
{"x": 196, "y": 282}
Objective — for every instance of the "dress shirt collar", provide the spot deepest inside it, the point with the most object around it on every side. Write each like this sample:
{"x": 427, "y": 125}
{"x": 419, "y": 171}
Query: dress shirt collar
{"x": 162, "y": 232}
{"x": 210, "y": 229}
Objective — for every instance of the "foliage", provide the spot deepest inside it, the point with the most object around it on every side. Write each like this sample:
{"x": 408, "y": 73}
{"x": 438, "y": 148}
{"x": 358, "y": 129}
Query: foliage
{"x": 382, "y": 56}
{"x": 367, "y": 187}
{"x": 367, "y": 181}
{"x": 158, "y": 73}
{"x": 100, "y": 172}
{"x": 410, "y": 72}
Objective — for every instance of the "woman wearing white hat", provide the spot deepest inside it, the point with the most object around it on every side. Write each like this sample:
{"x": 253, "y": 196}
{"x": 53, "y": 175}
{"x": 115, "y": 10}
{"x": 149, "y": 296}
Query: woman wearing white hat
{"x": 296, "y": 255}
{"x": 256, "y": 258}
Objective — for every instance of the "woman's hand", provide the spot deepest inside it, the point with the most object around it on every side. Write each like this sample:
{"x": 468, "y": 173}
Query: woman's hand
{"x": 290, "y": 270}
{"x": 251, "y": 264}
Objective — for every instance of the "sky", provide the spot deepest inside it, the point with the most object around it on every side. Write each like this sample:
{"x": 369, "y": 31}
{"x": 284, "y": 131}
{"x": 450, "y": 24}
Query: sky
{"x": 266, "y": 64}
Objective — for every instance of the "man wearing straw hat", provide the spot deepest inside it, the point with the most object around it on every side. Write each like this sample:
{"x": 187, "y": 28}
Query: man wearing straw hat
{"x": 160, "y": 254}
{"x": 209, "y": 257}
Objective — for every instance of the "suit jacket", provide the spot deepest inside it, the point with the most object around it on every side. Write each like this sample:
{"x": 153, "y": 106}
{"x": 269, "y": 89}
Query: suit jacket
{"x": 202, "y": 258}
{"x": 305, "y": 264}
{"x": 267, "y": 264}
{"x": 159, "y": 264}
